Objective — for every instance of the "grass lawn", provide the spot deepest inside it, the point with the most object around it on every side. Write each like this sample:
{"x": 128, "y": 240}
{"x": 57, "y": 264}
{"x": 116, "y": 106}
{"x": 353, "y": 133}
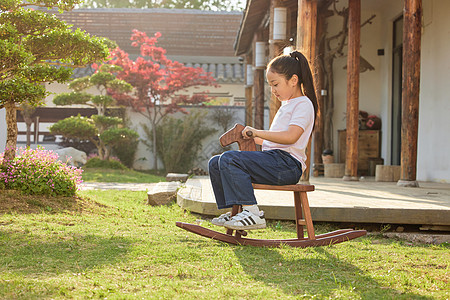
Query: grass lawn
{"x": 125, "y": 176}
{"x": 110, "y": 244}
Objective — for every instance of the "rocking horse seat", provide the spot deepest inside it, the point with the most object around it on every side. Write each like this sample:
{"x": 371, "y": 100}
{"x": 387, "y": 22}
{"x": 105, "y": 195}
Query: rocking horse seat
{"x": 291, "y": 187}
{"x": 302, "y": 212}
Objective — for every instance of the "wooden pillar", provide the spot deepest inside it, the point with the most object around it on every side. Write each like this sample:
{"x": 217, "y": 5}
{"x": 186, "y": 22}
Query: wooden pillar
{"x": 275, "y": 49}
{"x": 258, "y": 87}
{"x": 318, "y": 83}
{"x": 354, "y": 28}
{"x": 306, "y": 42}
{"x": 249, "y": 105}
{"x": 249, "y": 92}
{"x": 410, "y": 91}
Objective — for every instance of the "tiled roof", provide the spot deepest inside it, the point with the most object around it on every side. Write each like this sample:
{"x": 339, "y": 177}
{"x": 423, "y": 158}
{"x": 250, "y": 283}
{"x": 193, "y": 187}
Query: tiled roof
{"x": 184, "y": 31}
{"x": 201, "y": 38}
{"x": 222, "y": 72}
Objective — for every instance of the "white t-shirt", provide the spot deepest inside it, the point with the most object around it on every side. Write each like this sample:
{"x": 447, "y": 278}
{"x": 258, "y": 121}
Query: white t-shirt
{"x": 298, "y": 111}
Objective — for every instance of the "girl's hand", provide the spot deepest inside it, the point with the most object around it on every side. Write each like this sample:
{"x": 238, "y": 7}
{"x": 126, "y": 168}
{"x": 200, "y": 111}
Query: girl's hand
{"x": 249, "y": 132}
{"x": 252, "y": 133}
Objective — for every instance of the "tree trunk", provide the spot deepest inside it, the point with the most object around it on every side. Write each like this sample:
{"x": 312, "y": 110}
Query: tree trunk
{"x": 27, "y": 111}
{"x": 11, "y": 136}
{"x": 28, "y": 122}
{"x": 155, "y": 155}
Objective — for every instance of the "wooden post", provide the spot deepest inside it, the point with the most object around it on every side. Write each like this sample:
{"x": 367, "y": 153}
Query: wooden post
{"x": 249, "y": 106}
{"x": 351, "y": 161}
{"x": 410, "y": 91}
{"x": 275, "y": 49}
{"x": 306, "y": 42}
{"x": 248, "y": 94}
{"x": 318, "y": 83}
{"x": 259, "y": 98}
{"x": 258, "y": 88}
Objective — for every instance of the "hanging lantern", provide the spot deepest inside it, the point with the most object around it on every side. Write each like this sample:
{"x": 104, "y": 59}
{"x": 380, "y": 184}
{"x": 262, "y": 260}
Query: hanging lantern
{"x": 279, "y": 23}
{"x": 260, "y": 54}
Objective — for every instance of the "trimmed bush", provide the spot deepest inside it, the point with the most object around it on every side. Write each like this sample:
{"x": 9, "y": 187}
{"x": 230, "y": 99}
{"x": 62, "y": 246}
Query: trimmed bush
{"x": 39, "y": 172}
{"x": 111, "y": 163}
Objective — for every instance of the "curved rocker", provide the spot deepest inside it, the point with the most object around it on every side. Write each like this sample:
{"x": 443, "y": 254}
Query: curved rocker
{"x": 301, "y": 209}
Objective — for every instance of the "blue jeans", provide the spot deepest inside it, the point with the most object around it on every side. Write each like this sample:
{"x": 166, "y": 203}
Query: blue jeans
{"x": 233, "y": 172}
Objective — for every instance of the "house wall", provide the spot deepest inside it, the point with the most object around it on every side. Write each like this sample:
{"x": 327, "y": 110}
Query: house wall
{"x": 144, "y": 157}
{"x": 433, "y": 162}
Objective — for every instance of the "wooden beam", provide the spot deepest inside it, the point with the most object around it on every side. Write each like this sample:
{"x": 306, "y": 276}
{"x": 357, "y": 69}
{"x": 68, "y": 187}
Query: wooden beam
{"x": 410, "y": 91}
{"x": 351, "y": 161}
{"x": 306, "y": 42}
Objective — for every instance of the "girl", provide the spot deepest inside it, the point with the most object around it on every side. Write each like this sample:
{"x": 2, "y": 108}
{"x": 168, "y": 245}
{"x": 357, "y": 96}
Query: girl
{"x": 282, "y": 159}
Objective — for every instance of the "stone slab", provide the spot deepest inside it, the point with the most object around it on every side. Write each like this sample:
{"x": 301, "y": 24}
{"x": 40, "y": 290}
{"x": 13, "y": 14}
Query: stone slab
{"x": 163, "y": 193}
{"x": 176, "y": 177}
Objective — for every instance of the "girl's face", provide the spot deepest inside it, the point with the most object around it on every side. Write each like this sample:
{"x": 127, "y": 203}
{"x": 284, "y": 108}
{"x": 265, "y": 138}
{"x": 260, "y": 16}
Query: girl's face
{"x": 283, "y": 89}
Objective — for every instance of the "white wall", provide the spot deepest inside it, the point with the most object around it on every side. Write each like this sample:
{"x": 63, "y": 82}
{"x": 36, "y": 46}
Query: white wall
{"x": 144, "y": 156}
{"x": 433, "y": 161}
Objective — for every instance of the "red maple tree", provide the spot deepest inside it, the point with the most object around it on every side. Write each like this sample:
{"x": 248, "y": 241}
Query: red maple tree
{"x": 159, "y": 84}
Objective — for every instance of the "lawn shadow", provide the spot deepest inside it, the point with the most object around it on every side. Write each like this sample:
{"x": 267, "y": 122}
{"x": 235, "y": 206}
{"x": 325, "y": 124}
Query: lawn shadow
{"x": 29, "y": 256}
{"x": 319, "y": 274}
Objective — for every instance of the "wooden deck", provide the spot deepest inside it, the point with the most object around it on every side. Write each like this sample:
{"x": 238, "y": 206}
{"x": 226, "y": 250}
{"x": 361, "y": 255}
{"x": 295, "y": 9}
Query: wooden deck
{"x": 335, "y": 200}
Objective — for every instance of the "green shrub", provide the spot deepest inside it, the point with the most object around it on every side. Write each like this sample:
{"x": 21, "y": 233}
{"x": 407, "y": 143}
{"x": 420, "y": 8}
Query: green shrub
{"x": 124, "y": 143}
{"x": 180, "y": 140}
{"x": 39, "y": 172}
{"x": 112, "y": 163}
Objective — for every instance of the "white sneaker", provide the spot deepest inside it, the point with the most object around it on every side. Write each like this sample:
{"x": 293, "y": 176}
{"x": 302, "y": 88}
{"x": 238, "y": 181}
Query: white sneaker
{"x": 220, "y": 220}
{"x": 246, "y": 220}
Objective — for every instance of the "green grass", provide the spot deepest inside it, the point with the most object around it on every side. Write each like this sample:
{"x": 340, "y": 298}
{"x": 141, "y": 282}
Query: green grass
{"x": 120, "y": 176}
{"x": 115, "y": 246}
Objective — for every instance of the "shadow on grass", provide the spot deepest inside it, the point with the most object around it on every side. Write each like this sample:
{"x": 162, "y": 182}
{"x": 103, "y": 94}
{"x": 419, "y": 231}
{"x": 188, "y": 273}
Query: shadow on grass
{"x": 24, "y": 255}
{"x": 319, "y": 274}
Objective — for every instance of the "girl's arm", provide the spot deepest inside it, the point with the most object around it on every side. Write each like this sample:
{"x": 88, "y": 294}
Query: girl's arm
{"x": 287, "y": 137}
{"x": 258, "y": 140}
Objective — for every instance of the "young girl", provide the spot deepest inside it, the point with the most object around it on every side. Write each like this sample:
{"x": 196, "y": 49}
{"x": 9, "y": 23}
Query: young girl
{"x": 282, "y": 159}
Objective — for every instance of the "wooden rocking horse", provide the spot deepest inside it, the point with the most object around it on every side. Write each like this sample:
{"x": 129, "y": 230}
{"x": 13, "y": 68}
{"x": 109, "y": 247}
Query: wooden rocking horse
{"x": 301, "y": 209}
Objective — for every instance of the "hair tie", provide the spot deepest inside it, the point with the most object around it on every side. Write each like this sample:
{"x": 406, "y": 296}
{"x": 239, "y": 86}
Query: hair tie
{"x": 298, "y": 56}
{"x": 294, "y": 55}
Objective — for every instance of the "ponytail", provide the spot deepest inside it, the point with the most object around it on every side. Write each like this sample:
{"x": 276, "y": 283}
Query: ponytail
{"x": 296, "y": 64}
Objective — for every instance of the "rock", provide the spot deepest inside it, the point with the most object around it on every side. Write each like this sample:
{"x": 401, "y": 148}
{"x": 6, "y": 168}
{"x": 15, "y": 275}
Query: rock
{"x": 435, "y": 239}
{"x": 163, "y": 193}
{"x": 400, "y": 229}
{"x": 332, "y": 170}
{"x": 176, "y": 177}
{"x": 72, "y": 156}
